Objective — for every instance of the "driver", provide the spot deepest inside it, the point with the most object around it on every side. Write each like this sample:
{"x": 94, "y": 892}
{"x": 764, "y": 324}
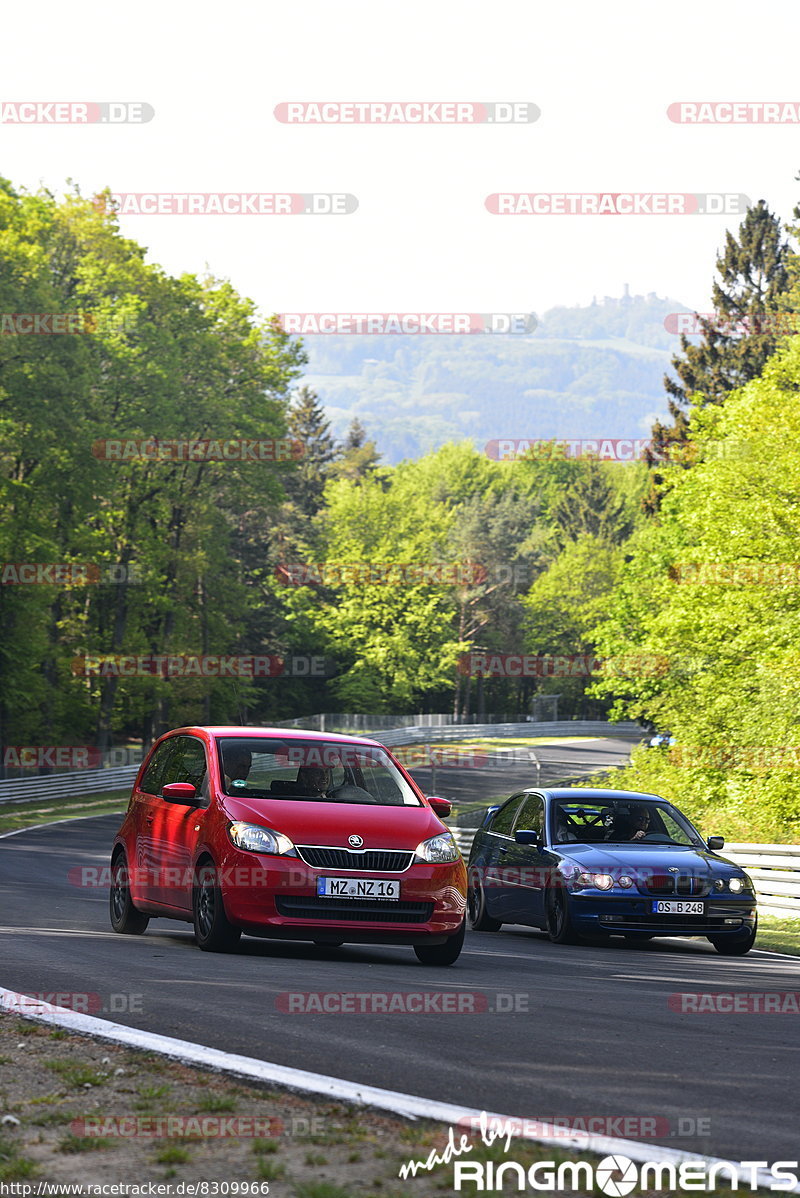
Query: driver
{"x": 315, "y": 780}
{"x": 236, "y": 762}
{"x": 632, "y": 825}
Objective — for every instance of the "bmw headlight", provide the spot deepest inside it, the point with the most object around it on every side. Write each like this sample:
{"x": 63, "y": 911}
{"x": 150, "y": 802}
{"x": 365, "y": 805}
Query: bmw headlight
{"x": 256, "y": 839}
{"x": 738, "y": 884}
{"x": 439, "y": 850}
{"x": 603, "y": 881}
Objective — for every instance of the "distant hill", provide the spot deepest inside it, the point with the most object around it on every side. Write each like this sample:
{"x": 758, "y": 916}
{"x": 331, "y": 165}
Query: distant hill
{"x": 585, "y": 371}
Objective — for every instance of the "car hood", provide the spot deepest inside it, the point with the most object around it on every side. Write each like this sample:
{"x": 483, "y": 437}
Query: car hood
{"x": 656, "y": 857}
{"x": 326, "y": 823}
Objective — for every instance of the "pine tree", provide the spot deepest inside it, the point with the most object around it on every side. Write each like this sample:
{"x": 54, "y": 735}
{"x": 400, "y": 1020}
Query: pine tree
{"x": 590, "y": 504}
{"x": 307, "y": 424}
{"x": 754, "y": 273}
{"x": 359, "y": 456}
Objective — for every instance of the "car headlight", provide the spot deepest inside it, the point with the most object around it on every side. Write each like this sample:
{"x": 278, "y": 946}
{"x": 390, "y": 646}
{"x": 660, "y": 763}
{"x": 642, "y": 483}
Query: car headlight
{"x": 599, "y": 881}
{"x": 625, "y": 882}
{"x": 737, "y": 885}
{"x": 439, "y": 850}
{"x": 256, "y": 839}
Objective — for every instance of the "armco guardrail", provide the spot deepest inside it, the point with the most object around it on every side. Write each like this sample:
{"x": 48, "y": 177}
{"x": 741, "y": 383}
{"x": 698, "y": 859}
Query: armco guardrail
{"x": 63, "y": 786}
{"x": 422, "y": 733}
{"x": 775, "y": 870}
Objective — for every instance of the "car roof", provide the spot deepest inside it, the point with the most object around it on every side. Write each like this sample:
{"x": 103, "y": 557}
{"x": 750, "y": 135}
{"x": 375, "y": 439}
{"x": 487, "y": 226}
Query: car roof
{"x": 598, "y": 794}
{"x": 273, "y": 733}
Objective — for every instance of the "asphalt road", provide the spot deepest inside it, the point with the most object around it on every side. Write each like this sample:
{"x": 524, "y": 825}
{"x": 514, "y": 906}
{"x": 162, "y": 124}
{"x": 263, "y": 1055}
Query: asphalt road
{"x": 558, "y": 760}
{"x": 568, "y": 1032}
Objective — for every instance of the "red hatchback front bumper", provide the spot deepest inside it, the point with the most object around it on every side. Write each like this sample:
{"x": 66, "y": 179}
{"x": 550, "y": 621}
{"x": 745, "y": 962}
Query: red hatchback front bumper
{"x": 277, "y": 897}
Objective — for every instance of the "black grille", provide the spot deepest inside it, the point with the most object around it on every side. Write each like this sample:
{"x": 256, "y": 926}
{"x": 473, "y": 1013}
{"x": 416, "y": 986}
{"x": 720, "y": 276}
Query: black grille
{"x": 363, "y": 910}
{"x": 370, "y": 860}
{"x": 662, "y": 884}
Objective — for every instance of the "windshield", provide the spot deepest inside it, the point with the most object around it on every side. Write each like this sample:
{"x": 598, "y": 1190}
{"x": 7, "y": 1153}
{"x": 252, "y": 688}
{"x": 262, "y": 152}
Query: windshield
{"x": 620, "y": 822}
{"x": 316, "y": 770}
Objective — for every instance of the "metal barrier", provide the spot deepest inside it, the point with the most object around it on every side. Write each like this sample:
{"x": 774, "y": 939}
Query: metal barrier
{"x": 775, "y": 870}
{"x": 64, "y": 786}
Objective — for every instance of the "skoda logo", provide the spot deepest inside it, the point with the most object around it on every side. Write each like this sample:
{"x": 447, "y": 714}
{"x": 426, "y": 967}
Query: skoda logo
{"x": 355, "y": 841}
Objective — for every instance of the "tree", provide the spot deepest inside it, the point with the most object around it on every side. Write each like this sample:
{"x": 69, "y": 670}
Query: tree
{"x": 308, "y": 425}
{"x": 754, "y": 272}
{"x": 590, "y": 505}
{"x": 359, "y": 456}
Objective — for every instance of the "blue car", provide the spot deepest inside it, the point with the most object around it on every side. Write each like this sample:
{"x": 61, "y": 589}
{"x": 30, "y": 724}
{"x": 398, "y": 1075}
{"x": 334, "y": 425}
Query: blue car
{"x": 583, "y": 863}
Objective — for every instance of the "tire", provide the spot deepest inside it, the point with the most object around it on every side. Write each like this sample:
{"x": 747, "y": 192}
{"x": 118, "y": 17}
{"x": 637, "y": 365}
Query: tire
{"x": 213, "y": 932}
{"x": 442, "y": 954}
{"x": 736, "y": 945}
{"x": 479, "y": 919}
{"x": 559, "y": 921}
{"x": 125, "y": 919}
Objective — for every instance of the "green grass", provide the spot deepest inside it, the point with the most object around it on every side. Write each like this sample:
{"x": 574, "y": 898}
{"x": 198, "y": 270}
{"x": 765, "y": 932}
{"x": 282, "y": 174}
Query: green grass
{"x": 778, "y": 935}
{"x": 14, "y": 1167}
{"x": 265, "y": 1147}
{"x": 271, "y": 1170}
{"x": 172, "y": 1154}
{"x": 216, "y": 1104}
{"x": 149, "y": 1095}
{"x": 75, "y": 1144}
{"x": 22, "y": 815}
{"x": 75, "y": 1075}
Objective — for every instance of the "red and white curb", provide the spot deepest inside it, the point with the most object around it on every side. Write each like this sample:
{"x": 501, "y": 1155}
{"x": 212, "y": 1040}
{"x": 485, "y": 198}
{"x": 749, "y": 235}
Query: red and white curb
{"x": 407, "y": 1105}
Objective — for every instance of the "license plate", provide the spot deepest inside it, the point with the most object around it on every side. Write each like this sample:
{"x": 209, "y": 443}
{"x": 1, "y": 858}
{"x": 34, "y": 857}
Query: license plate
{"x": 676, "y": 907}
{"x": 368, "y": 888}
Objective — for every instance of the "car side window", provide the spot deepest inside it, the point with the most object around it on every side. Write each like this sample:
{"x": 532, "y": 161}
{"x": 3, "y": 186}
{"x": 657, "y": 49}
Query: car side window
{"x": 503, "y": 820}
{"x": 531, "y": 815}
{"x": 187, "y": 763}
{"x": 152, "y": 780}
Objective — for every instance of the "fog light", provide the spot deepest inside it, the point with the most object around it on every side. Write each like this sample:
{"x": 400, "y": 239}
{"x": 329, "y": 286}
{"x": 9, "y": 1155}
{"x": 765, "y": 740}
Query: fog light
{"x": 626, "y": 882}
{"x": 611, "y": 919}
{"x": 732, "y": 921}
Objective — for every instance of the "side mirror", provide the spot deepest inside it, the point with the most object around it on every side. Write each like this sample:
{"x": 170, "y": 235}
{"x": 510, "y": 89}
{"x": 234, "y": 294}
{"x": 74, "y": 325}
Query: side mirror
{"x": 180, "y": 792}
{"x": 441, "y": 807}
{"x": 526, "y": 836}
{"x": 715, "y": 843}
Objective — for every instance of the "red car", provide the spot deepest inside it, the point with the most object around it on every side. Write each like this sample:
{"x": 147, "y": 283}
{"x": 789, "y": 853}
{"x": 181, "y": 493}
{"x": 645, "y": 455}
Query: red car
{"x": 287, "y": 834}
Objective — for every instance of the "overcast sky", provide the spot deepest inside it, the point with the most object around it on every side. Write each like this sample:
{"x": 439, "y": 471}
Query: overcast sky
{"x": 603, "y": 76}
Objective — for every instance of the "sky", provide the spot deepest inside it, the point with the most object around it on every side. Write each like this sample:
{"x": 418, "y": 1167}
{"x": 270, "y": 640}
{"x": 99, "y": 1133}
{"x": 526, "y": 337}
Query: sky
{"x": 421, "y": 239}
